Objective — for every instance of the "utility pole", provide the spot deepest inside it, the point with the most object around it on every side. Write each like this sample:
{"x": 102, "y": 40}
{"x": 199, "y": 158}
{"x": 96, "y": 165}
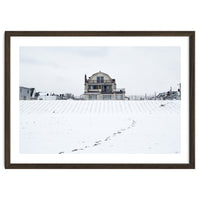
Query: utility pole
{"x": 179, "y": 88}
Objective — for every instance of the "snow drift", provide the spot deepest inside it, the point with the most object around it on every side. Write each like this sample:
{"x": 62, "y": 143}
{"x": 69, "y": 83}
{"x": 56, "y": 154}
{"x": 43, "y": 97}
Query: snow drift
{"x": 57, "y": 127}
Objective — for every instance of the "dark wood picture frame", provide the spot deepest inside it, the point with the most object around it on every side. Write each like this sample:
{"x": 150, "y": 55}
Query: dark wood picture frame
{"x": 190, "y": 165}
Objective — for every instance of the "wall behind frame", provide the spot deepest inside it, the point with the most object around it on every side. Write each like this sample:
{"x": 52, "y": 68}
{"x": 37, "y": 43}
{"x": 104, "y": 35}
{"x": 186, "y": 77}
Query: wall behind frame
{"x": 98, "y": 15}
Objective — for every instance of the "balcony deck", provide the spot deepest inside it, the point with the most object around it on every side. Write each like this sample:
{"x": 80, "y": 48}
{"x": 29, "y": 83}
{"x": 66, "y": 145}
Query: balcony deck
{"x": 100, "y": 83}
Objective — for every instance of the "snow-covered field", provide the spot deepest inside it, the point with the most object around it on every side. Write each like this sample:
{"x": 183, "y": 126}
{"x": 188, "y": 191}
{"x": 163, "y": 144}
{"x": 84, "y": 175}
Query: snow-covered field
{"x": 56, "y": 127}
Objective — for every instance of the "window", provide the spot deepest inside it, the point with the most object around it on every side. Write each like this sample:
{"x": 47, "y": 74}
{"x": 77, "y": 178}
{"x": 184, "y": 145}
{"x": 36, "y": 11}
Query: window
{"x": 106, "y": 88}
{"x": 92, "y": 97}
{"x": 100, "y": 79}
{"x": 106, "y": 97}
{"x": 119, "y": 97}
{"x": 93, "y": 87}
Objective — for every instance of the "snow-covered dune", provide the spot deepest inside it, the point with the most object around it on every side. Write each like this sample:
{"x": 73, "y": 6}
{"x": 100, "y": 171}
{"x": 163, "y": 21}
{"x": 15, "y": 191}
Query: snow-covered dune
{"x": 99, "y": 107}
{"x": 99, "y": 126}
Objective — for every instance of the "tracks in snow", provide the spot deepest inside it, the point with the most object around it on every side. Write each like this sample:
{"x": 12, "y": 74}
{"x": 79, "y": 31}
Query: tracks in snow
{"x": 99, "y": 142}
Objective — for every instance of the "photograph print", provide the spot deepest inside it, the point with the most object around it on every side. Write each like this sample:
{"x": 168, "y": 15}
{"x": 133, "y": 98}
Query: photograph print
{"x": 102, "y": 103}
{"x": 100, "y": 100}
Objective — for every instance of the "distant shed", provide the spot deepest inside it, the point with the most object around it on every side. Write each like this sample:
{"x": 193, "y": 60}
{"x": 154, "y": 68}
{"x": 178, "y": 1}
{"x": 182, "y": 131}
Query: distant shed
{"x": 26, "y": 93}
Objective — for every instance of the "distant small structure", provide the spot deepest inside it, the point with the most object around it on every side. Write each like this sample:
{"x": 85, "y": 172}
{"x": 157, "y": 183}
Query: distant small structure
{"x": 26, "y": 93}
{"x": 46, "y": 96}
{"x": 68, "y": 96}
{"x": 170, "y": 95}
{"x": 65, "y": 96}
{"x": 100, "y": 86}
{"x": 53, "y": 96}
{"x": 141, "y": 97}
{"x": 31, "y": 94}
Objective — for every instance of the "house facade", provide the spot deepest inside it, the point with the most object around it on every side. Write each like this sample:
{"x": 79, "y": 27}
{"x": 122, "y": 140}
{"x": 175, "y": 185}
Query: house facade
{"x": 100, "y": 86}
{"x": 26, "y": 93}
{"x": 170, "y": 95}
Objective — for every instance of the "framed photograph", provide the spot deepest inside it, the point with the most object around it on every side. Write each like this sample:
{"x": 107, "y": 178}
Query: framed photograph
{"x": 100, "y": 99}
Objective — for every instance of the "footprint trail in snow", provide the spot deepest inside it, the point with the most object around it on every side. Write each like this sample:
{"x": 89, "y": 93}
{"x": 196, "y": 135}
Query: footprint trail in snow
{"x": 108, "y": 138}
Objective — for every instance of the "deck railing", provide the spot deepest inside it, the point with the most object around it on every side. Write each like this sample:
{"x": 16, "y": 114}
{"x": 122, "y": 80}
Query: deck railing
{"x": 98, "y": 82}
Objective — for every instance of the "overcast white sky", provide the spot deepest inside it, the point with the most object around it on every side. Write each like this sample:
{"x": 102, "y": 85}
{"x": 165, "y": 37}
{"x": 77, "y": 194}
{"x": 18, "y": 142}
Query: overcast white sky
{"x": 139, "y": 70}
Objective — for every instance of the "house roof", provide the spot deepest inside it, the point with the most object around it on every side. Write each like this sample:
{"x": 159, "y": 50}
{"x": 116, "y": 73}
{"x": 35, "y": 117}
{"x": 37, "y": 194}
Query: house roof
{"x": 30, "y": 89}
{"x": 96, "y": 74}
